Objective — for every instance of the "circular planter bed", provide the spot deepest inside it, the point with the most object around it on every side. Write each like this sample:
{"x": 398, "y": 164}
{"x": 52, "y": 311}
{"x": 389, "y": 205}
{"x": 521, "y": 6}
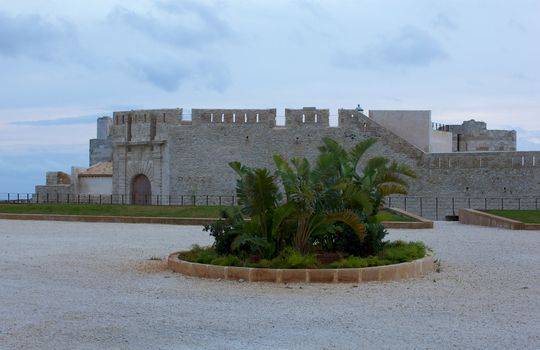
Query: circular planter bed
{"x": 416, "y": 268}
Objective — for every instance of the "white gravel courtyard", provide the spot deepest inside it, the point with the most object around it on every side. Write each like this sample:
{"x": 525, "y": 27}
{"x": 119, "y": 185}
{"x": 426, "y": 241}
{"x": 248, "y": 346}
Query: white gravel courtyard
{"x": 93, "y": 286}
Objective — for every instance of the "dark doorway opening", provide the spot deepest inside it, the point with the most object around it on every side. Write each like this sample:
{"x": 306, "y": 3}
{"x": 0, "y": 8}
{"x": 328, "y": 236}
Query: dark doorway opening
{"x": 141, "y": 190}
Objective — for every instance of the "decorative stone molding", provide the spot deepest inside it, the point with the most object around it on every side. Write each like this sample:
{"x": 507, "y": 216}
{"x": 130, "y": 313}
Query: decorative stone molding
{"x": 413, "y": 269}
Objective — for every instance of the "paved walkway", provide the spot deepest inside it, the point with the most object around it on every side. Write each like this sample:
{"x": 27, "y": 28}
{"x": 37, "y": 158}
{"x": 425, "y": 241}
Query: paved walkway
{"x": 93, "y": 286}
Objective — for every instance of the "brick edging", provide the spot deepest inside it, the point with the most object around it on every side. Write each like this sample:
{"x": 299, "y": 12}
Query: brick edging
{"x": 480, "y": 218}
{"x": 396, "y": 272}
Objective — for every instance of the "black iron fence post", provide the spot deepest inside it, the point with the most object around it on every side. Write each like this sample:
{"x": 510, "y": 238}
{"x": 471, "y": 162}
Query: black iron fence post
{"x": 421, "y": 211}
{"x": 453, "y": 207}
{"x": 405, "y": 203}
{"x": 436, "y": 208}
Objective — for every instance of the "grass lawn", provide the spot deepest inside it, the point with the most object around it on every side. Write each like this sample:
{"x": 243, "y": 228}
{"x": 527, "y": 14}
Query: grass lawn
{"x": 384, "y": 215}
{"x": 113, "y": 210}
{"x": 526, "y": 216}
{"x": 140, "y": 210}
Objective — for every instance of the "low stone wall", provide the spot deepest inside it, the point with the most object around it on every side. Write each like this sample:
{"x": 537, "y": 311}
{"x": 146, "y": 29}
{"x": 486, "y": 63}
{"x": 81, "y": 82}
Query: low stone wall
{"x": 417, "y": 268}
{"x": 115, "y": 219}
{"x": 480, "y": 218}
{"x": 419, "y": 223}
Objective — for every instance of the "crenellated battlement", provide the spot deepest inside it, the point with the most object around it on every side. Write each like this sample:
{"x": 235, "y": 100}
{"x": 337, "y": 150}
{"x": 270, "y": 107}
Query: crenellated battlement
{"x": 170, "y": 116}
{"x": 307, "y": 116}
{"x": 144, "y": 125}
{"x": 264, "y": 117}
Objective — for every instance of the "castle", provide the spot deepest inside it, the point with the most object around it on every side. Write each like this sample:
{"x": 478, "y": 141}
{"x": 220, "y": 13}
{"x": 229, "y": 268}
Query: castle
{"x": 158, "y": 157}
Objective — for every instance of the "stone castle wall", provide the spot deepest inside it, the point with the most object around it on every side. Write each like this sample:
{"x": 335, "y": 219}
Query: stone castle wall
{"x": 191, "y": 157}
{"x": 101, "y": 147}
{"x": 473, "y": 136}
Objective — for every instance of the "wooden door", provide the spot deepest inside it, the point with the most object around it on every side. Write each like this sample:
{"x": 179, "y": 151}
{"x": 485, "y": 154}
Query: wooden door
{"x": 141, "y": 190}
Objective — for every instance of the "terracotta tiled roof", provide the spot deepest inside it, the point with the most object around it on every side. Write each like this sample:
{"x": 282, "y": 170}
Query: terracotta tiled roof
{"x": 98, "y": 170}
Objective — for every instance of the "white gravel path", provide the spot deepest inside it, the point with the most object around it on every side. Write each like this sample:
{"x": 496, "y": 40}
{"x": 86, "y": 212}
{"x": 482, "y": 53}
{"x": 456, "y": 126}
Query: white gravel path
{"x": 92, "y": 286}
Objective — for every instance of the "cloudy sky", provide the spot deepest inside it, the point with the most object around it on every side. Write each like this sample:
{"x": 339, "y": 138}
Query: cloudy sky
{"x": 64, "y": 63}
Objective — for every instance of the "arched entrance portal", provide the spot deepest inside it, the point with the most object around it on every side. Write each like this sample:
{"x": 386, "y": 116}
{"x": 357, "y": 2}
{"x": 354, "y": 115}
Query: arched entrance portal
{"x": 141, "y": 190}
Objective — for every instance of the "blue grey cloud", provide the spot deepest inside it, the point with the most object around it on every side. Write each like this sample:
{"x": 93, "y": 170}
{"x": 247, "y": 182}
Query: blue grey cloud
{"x": 87, "y": 119}
{"x": 443, "y": 21}
{"x": 411, "y": 47}
{"x": 192, "y": 25}
{"x": 35, "y": 37}
{"x": 169, "y": 74}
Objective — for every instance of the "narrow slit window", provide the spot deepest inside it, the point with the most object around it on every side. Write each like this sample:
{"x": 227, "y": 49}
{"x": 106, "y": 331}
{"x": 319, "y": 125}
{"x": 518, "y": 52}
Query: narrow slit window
{"x": 223, "y": 117}
{"x": 303, "y": 118}
{"x": 245, "y": 117}
{"x": 234, "y": 117}
{"x": 316, "y": 119}
{"x": 257, "y": 117}
{"x": 523, "y": 161}
{"x": 211, "y": 117}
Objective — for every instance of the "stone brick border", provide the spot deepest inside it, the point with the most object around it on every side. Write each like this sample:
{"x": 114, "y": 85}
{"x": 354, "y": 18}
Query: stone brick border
{"x": 416, "y": 268}
{"x": 480, "y": 218}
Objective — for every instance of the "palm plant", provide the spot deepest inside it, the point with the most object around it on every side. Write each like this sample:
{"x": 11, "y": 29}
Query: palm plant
{"x": 365, "y": 190}
{"x": 316, "y": 197}
{"x": 306, "y": 189}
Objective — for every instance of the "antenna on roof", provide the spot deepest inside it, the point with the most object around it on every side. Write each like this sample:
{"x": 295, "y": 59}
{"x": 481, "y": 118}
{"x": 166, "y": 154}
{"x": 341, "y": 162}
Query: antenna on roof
{"x": 359, "y": 108}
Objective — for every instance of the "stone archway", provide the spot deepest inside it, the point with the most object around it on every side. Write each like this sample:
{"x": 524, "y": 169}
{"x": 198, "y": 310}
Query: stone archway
{"x": 141, "y": 190}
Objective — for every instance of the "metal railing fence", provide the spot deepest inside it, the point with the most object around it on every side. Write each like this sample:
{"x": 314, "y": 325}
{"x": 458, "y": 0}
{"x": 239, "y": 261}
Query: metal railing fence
{"x": 435, "y": 208}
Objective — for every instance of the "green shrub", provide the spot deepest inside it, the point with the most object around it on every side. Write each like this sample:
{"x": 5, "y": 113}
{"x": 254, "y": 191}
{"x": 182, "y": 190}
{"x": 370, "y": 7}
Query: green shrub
{"x": 352, "y": 261}
{"x": 347, "y": 241}
{"x": 394, "y": 253}
{"x": 225, "y": 230}
{"x": 229, "y": 260}
{"x": 198, "y": 254}
{"x": 289, "y": 258}
{"x": 400, "y": 251}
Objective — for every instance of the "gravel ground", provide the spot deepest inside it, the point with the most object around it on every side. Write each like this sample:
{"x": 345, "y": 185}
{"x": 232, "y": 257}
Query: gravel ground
{"x": 94, "y": 286}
